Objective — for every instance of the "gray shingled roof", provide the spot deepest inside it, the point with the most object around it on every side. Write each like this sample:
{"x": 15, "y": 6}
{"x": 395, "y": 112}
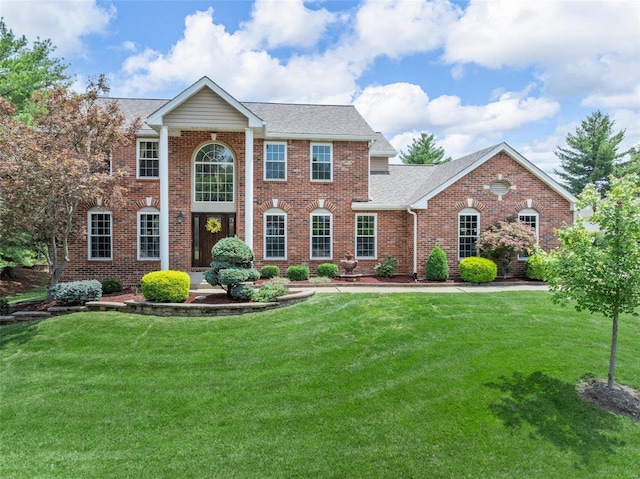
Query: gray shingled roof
{"x": 381, "y": 147}
{"x": 134, "y": 108}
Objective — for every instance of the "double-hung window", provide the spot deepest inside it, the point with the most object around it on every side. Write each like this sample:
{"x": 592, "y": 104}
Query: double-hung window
{"x": 321, "y": 162}
{"x": 148, "y": 235}
{"x": 366, "y": 236}
{"x": 530, "y": 218}
{"x": 321, "y": 235}
{"x": 468, "y": 230}
{"x": 275, "y": 161}
{"x": 99, "y": 235}
{"x": 148, "y": 158}
{"x": 275, "y": 235}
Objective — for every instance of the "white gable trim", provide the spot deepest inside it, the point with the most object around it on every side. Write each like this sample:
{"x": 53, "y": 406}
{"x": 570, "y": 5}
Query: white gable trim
{"x": 546, "y": 179}
{"x": 157, "y": 118}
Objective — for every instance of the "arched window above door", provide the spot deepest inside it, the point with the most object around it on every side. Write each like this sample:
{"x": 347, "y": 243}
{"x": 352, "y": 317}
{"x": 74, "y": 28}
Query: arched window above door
{"x": 214, "y": 174}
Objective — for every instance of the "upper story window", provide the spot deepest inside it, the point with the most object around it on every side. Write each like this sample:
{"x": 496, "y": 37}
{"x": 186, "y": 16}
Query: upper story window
{"x": 321, "y": 235}
{"x": 275, "y": 161}
{"x": 214, "y": 174}
{"x": 148, "y": 234}
{"x": 468, "y": 231}
{"x": 321, "y": 162}
{"x": 366, "y": 236}
{"x": 148, "y": 158}
{"x": 100, "y": 234}
{"x": 529, "y": 217}
{"x": 275, "y": 235}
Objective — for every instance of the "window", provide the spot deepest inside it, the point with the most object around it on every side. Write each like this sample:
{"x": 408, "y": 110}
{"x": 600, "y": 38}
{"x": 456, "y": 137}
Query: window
{"x": 100, "y": 235}
{"x": 275, "y": 161}
{"x": 321, "y": 162}
{"x": 148, "y": 158}
{"x": 468, "y": 227}
{"x": 214, "y": 177}
{"x": 275, "y": 235}
{"x": 365, "y": 236}
{"x": 529, "y": 217}
{"x": 148, "y": 234}
{"x": 321, "y": 235}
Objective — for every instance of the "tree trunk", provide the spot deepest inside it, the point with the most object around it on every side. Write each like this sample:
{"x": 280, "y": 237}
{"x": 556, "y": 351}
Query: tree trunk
{"x": 614, "y": 347}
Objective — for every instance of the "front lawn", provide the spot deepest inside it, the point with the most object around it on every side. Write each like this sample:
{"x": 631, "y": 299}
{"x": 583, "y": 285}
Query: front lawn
{"x": 418, "y": 385}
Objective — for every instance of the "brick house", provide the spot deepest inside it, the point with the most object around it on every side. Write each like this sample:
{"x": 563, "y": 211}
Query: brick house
{"x": 301, "y": 184}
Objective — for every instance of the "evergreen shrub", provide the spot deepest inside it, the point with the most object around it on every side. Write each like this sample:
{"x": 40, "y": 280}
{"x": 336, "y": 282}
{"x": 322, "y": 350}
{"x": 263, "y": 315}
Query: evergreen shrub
{"x": 269, "y": 271}
{"x": 269, "y": 291}
{"x": 328, "y": 270}
{"x": 232, "y": 265}
{"x": 111, "y": 285}
{"x": 437, "y": 268}
{"x": 387, "y": 268}
{"x": 76, "y": 292}
{"x": 298, "y": 273}
{"x": 166, "y": 286}
{"x": 242, "y": 292}
{"x": 478, "y": 270}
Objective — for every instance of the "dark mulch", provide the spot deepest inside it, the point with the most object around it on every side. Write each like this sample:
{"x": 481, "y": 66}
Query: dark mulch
{"x": 618, "y": 399}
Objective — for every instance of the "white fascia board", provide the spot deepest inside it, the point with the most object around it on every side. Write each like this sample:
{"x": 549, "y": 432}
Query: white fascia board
{"x": 315, "y": 137}
{"x": 361, "y": 206}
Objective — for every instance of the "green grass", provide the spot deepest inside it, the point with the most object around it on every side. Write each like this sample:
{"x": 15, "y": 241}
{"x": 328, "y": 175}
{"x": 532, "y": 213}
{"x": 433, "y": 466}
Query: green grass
{"x": 34, "y": 294}
{"x": 342, "y": 386}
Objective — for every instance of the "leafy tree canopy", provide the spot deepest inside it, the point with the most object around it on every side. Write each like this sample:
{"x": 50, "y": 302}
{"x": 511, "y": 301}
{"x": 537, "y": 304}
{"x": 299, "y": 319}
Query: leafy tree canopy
{"x": 591, "y": 154}
{"x": 424, "y": 151}
{"x": 25, "y": 69}
{"x": 503, "y": 241}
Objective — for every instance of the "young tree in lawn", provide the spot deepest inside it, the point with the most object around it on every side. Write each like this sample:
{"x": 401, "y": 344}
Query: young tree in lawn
{"x": 49, "y": 169}
{"x": 603, "y": 275}
{"x": 504, "y": 241}
{"x": 424, "y": 151}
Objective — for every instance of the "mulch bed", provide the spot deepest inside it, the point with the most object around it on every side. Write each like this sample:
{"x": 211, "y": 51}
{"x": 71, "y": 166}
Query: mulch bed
{"x": 618, "y": 399}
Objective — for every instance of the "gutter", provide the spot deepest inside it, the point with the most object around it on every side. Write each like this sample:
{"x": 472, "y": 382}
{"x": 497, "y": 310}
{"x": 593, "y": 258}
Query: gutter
{"x": 415, "y": 242}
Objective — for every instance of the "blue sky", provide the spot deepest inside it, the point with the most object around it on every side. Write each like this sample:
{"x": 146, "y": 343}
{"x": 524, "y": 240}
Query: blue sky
{"x": 474, "y": 73}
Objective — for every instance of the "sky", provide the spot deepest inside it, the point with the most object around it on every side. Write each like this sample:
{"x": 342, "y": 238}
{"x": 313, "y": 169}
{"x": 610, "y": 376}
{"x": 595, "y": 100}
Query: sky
{"x": 473, "y": 73}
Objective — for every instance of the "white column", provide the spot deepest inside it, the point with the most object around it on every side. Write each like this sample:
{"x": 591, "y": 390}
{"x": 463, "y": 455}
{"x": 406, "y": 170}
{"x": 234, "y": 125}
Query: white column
{"x": 248, "y": 187}
{"x": 164, "y": 198}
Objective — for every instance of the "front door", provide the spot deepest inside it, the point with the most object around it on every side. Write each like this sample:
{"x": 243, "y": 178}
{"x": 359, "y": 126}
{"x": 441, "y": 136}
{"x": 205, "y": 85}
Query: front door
{"x": 203, "y": 239}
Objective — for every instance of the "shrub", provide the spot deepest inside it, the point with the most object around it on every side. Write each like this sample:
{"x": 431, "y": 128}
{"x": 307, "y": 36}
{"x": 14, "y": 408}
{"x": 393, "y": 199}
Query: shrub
{"x": 269, "y": 271}
{"x": 166, "y": 286}
{"x": 387, "y": 268}
{"x": 242, "y": 292}
{"x": 76, "y": 292}
{"x": 478, "y": 270}
{"x": 437, "y": 268}
{"x": 232, "y": 265}
{"x": 269, "y": 291}
{"x": 111, "y": 285}
{"x": 537, "y": 264}
{"x": 4, "y": 306}
{"x": 503, "y": 241}
{"x": 298, "y": 273}
{"x": 328, "y": 270}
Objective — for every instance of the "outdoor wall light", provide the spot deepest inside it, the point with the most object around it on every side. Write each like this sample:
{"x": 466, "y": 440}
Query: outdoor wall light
{"x": 180, "y": 217}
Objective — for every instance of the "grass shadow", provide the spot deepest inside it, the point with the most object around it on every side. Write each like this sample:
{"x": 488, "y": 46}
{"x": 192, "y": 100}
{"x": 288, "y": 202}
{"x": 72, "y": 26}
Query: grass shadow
{"x": 556, "y": 413}
{"x": 20, "y": 333}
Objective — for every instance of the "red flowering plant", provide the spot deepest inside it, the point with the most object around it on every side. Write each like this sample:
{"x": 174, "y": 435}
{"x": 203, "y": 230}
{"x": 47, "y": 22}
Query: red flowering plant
{"x": 505, "y": 240}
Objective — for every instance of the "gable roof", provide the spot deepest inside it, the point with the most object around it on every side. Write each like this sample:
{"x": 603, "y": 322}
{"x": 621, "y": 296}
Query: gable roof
{"x": 412, "y": 186}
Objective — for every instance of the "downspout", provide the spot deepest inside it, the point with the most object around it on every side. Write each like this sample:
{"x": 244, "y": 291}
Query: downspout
{"x": 415, "y": 242}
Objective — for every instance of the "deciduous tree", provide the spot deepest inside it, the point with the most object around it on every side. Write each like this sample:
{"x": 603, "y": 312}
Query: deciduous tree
{"x": 603, "y": 275}
{"x": 504, "y": 241}
{"x": 424, "y": 151}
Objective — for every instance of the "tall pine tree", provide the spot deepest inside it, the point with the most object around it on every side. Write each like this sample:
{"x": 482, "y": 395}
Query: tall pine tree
{"x": 424, "y": 151}
{"x": 591, "y": 154}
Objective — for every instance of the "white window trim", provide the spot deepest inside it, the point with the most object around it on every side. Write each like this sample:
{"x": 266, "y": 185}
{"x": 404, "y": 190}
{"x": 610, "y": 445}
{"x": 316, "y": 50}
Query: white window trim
{"x": 321, "y": 212}
{"x": 230, "y": 205}
{"x": 138, "y": 141}
{"x": 273, "y": 212}
{"x": 375, "y": 236}
{"x": 145, "y": 211}
{"x": 99, "y": 211}
{"x": 286, "y": 162}
{"x": 530, "y": 212}
{"x": 330, "y": 180}
{"x": 467, "y": 212}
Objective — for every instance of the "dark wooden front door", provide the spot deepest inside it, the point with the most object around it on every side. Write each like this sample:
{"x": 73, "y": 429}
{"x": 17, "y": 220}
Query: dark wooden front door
{"x": 204, "y": 240}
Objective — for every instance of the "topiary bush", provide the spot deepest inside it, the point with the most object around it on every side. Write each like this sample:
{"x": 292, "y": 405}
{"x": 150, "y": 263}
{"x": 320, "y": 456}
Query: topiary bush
{"x": 243, "y": 292}
{"x": 387, "y": 268}
{"x": 232, "y": 265}
{"x": 536, "y": 265}
{"x": 478, "y": 270}
{"x": 269, "y": 291}
{"x": 328, "y": 270}
{"x": 4, "y": 306}
{"x": 437, "y": 268}
{"x": 111, "y": 285}
{"x": 298, "y": 273}
{"x": 76, "y": 292}
{"x": 166, "y": 286}
{"x": 269, "y": 271}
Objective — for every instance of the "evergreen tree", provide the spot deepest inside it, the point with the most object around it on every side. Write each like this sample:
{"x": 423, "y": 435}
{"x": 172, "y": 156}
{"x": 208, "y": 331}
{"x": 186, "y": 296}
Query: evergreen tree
{"x": 590, "y": 155}
{"x": 437, "y": 268}
{"x": 424, "y": 151}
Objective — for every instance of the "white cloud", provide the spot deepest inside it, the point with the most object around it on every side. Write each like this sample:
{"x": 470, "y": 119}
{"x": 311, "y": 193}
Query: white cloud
{"x": 64, "y": 23}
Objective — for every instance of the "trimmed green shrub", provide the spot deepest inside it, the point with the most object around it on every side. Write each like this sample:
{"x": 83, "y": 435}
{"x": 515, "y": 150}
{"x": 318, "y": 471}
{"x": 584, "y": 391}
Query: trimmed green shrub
{"x": 269, "y": 291}
{"x": 76, "y": 292}
{"x": 437, "y": 268}
{"x": 242, "y": 292}
{"x": 111, "y": 285}
{"x": 269, "y": 271}
{"x": 478, "y": 270}
{"x": 298, "y": 273}
{"x": 328, "y": 270}
{"x": 536, "y": 265}
{"x": 387, "y": 268}
{"x": 166, "y": 286}
{"x": 232, "y": 265}
{"x": 4, "y": 307}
